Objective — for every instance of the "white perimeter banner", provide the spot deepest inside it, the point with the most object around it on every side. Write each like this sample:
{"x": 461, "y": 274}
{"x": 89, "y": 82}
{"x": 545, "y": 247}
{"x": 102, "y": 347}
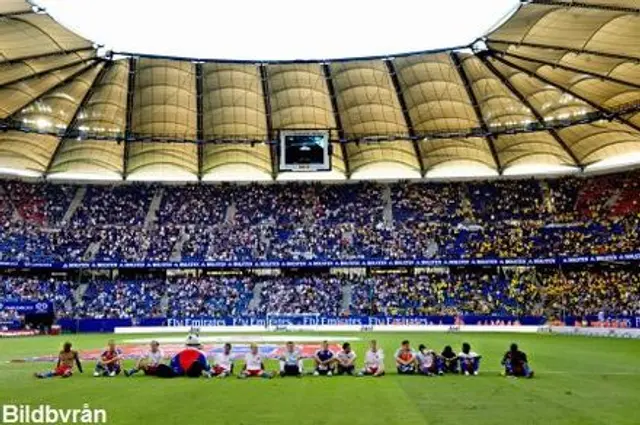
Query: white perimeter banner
{"x": 329, "y": 328}
{"x": 601, "y": 332}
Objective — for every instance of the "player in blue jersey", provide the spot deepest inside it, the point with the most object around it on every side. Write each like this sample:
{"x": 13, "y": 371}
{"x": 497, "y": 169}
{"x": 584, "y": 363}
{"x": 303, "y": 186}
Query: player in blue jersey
{"x": 109, "y": 362}
{"x": 516, "y": 364}
{"x": 291, "y": 361}
{"x": 469, "y": 360}
{"x": 325, "y": 360}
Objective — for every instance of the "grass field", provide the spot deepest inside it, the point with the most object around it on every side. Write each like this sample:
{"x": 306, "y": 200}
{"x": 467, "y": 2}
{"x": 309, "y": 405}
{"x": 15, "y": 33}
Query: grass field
{"x": 578, "y": 381}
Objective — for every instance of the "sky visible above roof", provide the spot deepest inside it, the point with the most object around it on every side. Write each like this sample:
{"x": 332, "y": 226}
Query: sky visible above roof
{"x": 278, "y": 29}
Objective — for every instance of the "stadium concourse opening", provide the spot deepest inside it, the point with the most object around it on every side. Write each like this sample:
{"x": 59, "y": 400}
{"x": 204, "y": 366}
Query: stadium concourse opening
{"x": 443, "y": 213}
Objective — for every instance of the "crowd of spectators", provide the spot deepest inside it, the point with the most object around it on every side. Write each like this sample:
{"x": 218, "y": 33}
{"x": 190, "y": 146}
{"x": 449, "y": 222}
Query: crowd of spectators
{"x": 37, "y": 288}
{"x": 298, "y": 221}
{"x": 209, "y": 296}
{"x": 119, "y": 299}
{"x": 302, "y": 295}
{"x": 478, "y": 292}
{"x": 613, "y": 291}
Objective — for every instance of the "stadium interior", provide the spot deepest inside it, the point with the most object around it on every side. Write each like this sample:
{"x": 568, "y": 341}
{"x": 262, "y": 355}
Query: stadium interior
{"x": 519, "y": 146}
{"x": 484, "y": 194}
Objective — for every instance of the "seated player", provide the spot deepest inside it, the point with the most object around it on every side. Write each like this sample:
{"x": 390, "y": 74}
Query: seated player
{"x": 345, "y": 360}
{"x": 109, "y": 363}
{"x": 190, "y": 362}
{"x": 469, "y": 360}
{"x": 325, "y": 360}
{"x": 373, "y": 361}
{"x": 515, "y": 363}
{"x": 223, "y": 363}
{"x": 449, "y": 360}
{"x": 64, "y": 368}
{"x": 428, "y": 361}
{"x": 150, "y": 362}
{"x": 291, "y": 361}
{"x": 253, "y": 365}
{"x": 405, "y": 359}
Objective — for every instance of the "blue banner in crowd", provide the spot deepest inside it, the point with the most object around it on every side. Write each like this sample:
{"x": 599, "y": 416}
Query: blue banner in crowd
{"x": 325, "y": 263}
{"x": 10, "y": 325}
{"x": 27, "y": 307}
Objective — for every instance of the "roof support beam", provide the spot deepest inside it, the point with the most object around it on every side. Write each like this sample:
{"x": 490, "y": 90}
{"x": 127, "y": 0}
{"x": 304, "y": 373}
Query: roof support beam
{"x": 567, "y": 68}
{"x": 50, "y": 90}
{"x": 128, "y": 134}
{"x": 533, "y": 110}
{"x": 45, "y": 55}
{"x": 200, "y": 117}
{"x": 18, "y": 13}
{"x": 326, "y": 69}
{"x": 391, "y": 68}
{"x": 566, "y": 49}
{"x": 608, "y": 114}
{"x": 70, "y": 130}
{"x": 47, "y": 71}
{"x": 584, "y": 5}
{"x": 298, "y": 61}
{"x": 264, "y": 78}
{"x": 476, "y": 107}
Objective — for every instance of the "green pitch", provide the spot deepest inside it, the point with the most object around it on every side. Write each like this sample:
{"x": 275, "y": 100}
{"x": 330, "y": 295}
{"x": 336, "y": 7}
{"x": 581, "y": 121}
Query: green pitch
{"x": 578, "y": 381}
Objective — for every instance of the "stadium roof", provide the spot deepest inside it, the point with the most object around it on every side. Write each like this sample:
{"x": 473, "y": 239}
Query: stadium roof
{"x": 555, "y": 88}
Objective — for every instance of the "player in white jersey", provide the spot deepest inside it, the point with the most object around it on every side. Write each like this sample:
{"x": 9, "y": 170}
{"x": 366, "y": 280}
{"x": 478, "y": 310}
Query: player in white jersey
{"x": 469, "y": 360}
{"x": 223, "y": 363}
{"x": 291, "y": 361}
{"x": 254, "y": 365}
{"x": 149, "y": 363}
{"x": 428, "y": 361}
{"x": 346, "y": 359}
{"x": 373, "y": 361}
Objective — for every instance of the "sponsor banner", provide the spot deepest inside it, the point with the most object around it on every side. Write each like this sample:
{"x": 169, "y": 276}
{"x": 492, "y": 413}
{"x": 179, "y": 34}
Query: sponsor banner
{"x": 18, "y": 333}
{"x": 600, "y": 332}
{"x": 6, "y": 324}
{"x": 26, "y": 307}
{"x": 238, "y": 351}
{"x": 288, "y": 322}
{"x": 426, "y": 262}
{"x": 235, "y": 330}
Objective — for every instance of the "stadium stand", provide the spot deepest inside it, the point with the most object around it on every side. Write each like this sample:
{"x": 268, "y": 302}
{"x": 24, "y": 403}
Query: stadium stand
{"x": 548, "y": 292}
{"x": 492, "y": 219}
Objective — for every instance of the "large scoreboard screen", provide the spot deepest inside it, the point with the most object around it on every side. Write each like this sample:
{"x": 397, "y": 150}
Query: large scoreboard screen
{"x": 305, "y": 151}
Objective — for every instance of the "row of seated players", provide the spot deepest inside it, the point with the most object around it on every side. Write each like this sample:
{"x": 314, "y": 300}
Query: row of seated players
{"x": 513, "y": 218}
{"x": 193, "y": 362}
{"x": 580, "y": 291}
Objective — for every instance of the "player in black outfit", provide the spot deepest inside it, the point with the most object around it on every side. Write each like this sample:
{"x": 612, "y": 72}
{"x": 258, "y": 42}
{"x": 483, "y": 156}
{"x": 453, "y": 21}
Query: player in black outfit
{"x": 515, "y": 363}
{"x": 449, "y": 360}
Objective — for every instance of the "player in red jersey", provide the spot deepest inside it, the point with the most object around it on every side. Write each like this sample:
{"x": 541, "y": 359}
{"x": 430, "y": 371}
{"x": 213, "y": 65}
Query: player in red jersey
{"x": 64, "y": 368}
{"x": 109, "y": 363}
{"x": 405, "y": 359}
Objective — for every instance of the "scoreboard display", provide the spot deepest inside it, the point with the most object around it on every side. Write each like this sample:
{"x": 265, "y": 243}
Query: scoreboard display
{"x": 305, "y": 151}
